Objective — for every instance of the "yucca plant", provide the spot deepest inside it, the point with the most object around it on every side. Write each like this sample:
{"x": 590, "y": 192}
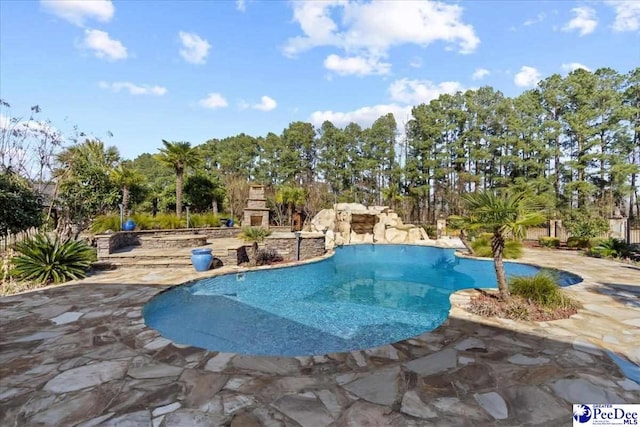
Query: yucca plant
{"x": 45, "y": 260}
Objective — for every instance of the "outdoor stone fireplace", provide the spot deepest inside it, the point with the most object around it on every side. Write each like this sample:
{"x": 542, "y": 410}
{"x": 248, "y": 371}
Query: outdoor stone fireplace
{"x": 256, "y": 214}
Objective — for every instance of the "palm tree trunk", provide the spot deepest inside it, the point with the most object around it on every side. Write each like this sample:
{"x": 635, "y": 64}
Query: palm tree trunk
{"x": 465, "y": 241}
{"x": 254, "y": 253}
{"x": 179, "y": 194}
{"x": 497, "y": 248}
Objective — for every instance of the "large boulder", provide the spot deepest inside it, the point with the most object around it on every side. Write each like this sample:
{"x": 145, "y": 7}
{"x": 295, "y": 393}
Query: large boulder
{"x": 324, "y": 220}
{"x": 329, "y": 240}
{"x": 378, "y": 232}
{"x": 393, "y": 235}
{"x": 350, "y": 207}
{"x": 355, "y": 223}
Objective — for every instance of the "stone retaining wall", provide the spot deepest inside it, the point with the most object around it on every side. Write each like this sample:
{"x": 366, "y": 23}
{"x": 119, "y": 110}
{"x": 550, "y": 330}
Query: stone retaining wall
{"x": 311, "y": 245}
{"x": 108, "y": 243}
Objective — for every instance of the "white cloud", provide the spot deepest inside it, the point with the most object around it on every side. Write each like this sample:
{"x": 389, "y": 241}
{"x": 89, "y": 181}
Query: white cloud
{"x": 77, "y": 11}
{"x": 404, "y": 93}
{"x": 194, "y": 48}
{"x": 627, "y": 15}
{"x": 104, "y": 46}
{"x": 584, "y": 21}
{"x": 356, "y": 65}
{"x": 571, "y": 66}
{"x": 266, "y": 104}
{"x": 213, "y": 101}
{"x": 241, "y": 5}
{"x": 364, "y": 116}
{"x": 527, "y": 77}
{"x": 480, "y": 73}
{"x": 370, "y": 29}
{"x": 539, "y": 18}
{"x": 134, "y": 89}
{"x": 416, "y": 92}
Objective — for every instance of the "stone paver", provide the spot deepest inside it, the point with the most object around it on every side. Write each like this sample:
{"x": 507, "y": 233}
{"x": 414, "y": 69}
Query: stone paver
{"x": 80, "y": 354}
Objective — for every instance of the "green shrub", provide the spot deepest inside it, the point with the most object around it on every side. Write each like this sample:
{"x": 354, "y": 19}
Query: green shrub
{"x": 103, "y": 223}
{"x": 204, "y": 220}
{"x": 585, "y": 224}
{"x": 169, "y": 222}
{"x": 482, "y": 247}
{"x": 44, "y": 260}
{"x": 577, "y": 242}
{"x": 431, "y": 231}
{"x": 144, "y": 221}
{"x": 609, "y": 248}
{"x": 542, "y": 289}
{"x": 549, "y": 242}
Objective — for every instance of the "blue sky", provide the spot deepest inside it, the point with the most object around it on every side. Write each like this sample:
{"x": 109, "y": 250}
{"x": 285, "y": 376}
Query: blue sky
{"x": 195, "y": 70}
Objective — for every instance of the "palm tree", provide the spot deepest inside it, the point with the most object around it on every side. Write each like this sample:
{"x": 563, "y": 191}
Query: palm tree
{"x": 291, "y": 197}
{"x": 502, "y": 214}
{"x": 179, "y": 156}
{"x": 125, "y": 177}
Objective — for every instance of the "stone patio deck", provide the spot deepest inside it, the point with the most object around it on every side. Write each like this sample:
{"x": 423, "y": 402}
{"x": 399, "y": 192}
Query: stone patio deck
{"x": 81, "y": 355}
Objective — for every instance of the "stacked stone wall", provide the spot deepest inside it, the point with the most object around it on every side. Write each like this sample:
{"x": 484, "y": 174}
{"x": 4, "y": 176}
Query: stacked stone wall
{"x": 311, "y": 246}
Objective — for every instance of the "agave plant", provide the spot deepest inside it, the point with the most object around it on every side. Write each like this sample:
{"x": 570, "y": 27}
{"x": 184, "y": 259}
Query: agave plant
{"x": 45, "y": 260}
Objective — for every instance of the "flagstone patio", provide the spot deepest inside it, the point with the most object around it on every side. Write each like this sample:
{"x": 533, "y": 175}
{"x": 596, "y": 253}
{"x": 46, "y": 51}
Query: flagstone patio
{"x": 81, "y": 355}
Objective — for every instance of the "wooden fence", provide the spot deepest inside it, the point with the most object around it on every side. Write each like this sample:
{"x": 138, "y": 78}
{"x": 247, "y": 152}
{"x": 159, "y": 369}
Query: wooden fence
{"x": 557, "y": 230}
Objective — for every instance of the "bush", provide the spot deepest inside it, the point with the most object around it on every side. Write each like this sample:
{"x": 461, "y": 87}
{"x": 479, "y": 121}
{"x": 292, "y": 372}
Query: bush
{"x": 169, "y": 222}
{"x": 144, "y": 221}
{"x": 103, "y": 223}
{"x": 431, "y": 231}
{"x": 609, "y": 248}
{"x": 204, "y": 220}
{"x": 482, "y": 247}
{"x": 267, "y": 256}
{"x": 586, "y": 224}
{"x": 44, "y": 260}
{"x": 549, "y": 242}
{"x": 577, "y": 242}
{"x": 542, "y": 288}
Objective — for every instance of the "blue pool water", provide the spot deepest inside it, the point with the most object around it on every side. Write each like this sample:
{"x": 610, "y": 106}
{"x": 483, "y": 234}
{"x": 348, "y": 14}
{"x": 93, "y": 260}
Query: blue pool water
{"x": 362, "y": 297}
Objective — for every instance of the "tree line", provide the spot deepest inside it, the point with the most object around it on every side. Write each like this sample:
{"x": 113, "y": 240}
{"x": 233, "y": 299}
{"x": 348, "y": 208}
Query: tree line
{"x": 572, "y": 144}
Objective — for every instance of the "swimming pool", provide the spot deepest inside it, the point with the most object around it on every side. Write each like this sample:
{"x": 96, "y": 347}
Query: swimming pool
{"x": 362, "y": 297}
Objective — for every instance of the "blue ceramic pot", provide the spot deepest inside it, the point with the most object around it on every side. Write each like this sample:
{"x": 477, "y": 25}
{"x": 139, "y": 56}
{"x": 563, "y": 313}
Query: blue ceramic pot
{"x": 129, "y": 225}
{"x": 229, "y": 223}
{"x": 201, "y": 259}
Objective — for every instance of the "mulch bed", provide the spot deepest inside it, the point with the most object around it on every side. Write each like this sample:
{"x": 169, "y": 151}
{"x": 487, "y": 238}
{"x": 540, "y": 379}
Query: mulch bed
{"x": 490, "y": 305}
